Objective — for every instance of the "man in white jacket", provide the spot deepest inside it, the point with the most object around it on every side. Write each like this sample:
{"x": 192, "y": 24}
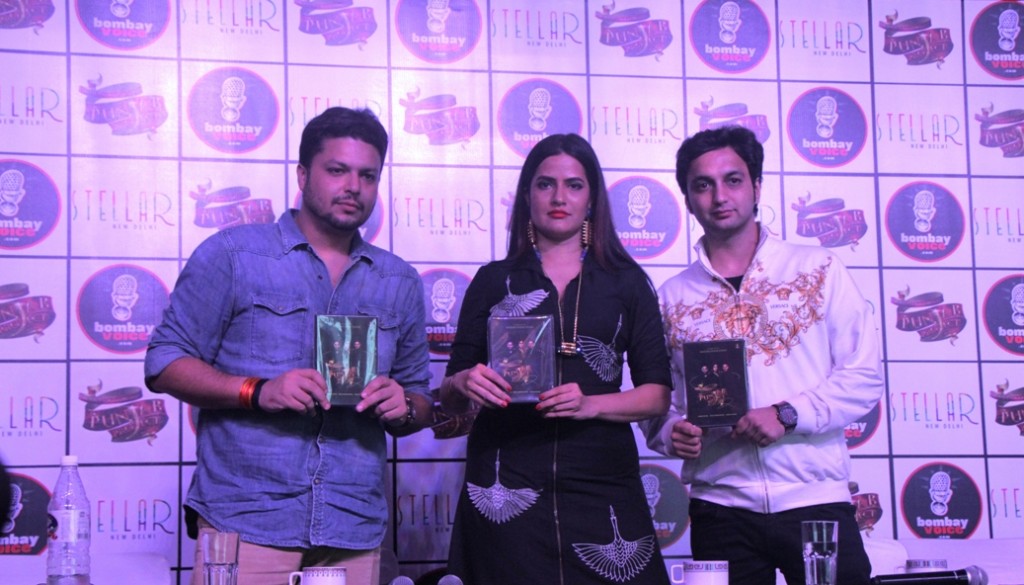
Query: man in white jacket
{"x": 813, "y": 366}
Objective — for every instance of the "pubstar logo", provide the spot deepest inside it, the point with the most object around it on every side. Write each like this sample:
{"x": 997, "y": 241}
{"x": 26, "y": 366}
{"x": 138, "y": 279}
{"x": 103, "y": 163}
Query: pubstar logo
{"x": 829, "y": 221}
{"x": 233, "y": 110}
{"x": 827, "y": 127}
{"x": 30, "y": 204}
{"x": 916, "y": 40}
{"x": 996, "y": 40}
{"x": 929, "y": 315}
{"x": 646, "y": 215}
{"x": 123, "y": 107}
{"x": 122, "y": 24}
{"x": 1002, "y": 130}
{"x": 338, "y": 21}
{"x": 439, "y": 31}
{"x": 1009, "y": 405}
{"x": 30, "y": 13}
{"x": 119, "y": 307}
{"x": 634, "y": 30}
{"x": 1003, "y": 313}
{"x": 940, "y": 500}
{"x": 123, "y": 413}
{"x": 730, "y": 36}
{"x": 443, "y": 291}
{"x": 439, "y": 119}
{"x": 711, "y": 117}
{"x": 925, "y": 221}
{"x": 534, "y": 109}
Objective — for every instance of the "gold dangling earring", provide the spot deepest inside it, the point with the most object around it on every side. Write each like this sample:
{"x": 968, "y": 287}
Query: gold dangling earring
{"x": 530, "y": 235}
{"x": 585, "y": 234}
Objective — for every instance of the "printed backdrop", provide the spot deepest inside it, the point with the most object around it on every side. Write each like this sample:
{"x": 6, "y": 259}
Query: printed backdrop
{"x": 130, "y": 131}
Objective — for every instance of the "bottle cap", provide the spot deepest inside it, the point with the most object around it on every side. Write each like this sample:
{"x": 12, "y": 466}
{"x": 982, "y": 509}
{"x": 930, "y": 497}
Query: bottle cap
{"x": 69, "y": 460}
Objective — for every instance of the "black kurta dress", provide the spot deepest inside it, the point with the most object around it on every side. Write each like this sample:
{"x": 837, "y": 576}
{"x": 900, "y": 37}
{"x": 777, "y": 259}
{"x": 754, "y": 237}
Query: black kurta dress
{"x": 559, "y": 502}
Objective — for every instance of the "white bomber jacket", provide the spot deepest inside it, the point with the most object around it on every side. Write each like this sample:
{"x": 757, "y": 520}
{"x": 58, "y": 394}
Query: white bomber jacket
{"x": 811, "y": 341}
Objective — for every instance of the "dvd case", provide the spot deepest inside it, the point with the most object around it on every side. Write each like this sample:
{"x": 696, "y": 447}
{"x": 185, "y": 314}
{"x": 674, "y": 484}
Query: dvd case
{"x": 716, "y": 382}
{"x": 522, "y": 350}
{"x": 346, "y": 355}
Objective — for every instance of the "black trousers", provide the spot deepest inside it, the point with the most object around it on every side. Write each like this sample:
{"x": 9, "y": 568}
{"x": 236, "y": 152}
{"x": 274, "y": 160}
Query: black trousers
{"x": 756, "y": 544}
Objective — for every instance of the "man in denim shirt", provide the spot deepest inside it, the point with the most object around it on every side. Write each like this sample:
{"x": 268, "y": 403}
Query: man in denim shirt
{"x": 300, "y": 480}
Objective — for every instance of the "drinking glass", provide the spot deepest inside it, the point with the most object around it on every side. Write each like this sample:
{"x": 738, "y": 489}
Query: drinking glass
{"x": 220, "y": 557}
{"x": 821, "y": 544}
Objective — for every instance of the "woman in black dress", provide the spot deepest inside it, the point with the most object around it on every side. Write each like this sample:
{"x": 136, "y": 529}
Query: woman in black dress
{"x": 552, "y": 493}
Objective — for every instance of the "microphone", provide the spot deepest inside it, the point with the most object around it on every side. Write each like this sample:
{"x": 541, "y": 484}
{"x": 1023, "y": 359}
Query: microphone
{"x": 450, "y": 580}
{"x": 972, "y": 575}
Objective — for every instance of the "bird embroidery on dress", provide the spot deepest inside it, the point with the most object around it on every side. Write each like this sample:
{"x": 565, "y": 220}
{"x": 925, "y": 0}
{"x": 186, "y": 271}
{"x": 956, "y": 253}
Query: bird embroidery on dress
{"x": 498, "y": 503}
{"x": 517, "y": 305}
{"x": 602, "y": 358}
{"x": 619, "y": 560}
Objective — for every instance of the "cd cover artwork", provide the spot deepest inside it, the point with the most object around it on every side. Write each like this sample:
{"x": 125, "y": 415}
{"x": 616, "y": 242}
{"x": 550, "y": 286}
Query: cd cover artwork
{"x": 716, "y": 382}
{"x": 522, "y": 350}
{"x": 346, "y": 355}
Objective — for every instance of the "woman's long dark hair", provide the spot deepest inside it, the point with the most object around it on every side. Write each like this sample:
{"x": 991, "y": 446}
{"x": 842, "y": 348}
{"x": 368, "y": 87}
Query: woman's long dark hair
{"x": 604, "y": 241}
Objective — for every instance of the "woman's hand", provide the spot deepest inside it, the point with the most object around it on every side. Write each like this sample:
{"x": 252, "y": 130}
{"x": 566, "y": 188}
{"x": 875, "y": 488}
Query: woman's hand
{"x": 565, "y": 401}
{"x": 483, "y": 386}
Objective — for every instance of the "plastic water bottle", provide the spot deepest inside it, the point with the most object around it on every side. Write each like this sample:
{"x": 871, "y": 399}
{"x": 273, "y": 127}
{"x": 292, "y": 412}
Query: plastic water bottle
{"x": 67, "y": 556}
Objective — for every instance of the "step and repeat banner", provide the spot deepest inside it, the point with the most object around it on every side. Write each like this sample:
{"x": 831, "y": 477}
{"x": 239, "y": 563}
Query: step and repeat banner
{"x": 130, "y": 131}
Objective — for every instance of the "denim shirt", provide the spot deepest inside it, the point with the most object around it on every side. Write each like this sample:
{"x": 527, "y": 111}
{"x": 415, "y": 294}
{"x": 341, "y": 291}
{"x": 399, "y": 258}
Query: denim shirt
{"x": 246, "y": 303}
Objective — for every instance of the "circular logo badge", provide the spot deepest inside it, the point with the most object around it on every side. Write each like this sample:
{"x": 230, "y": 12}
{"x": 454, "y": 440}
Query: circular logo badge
{"x": 646, "y": 216}
{"x": 827, "y": 127}
{"x": 443, "y": 291}
{"x": 940, "y": 500}
{"x": 29, "y": 204}
{"x": 668, "y": 500}
{"x": 233, "y": 110}
{"x": 996, "y": 40}
{"x": 119, "y": 306}
{"x": 924, "y": 221}
{"x": 124, "y": 24}
{"x": 438, "y": 31}
{"x": 731, "y": 36}
{"x": 860, "y": 431}
{"x": 24, "y": 533}
{"x": 1003, "y": 312}
{"x": 534, "y": 109}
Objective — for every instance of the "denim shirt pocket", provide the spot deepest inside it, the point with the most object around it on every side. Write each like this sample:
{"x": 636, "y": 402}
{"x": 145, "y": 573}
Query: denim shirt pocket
{"x": 387, "y": 335}
{"x": 281, "y": 325}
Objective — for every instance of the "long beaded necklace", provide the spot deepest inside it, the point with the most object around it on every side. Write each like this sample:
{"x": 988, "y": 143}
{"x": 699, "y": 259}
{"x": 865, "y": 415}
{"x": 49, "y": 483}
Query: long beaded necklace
{"x": 567, "y": 348}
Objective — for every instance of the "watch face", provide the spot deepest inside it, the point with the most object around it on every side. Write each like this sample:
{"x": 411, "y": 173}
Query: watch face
{"x": 787, "y": 415}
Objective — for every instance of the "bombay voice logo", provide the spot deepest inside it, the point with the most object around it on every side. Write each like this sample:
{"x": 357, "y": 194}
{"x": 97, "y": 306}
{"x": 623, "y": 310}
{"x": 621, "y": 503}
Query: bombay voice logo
{"x": 646, "y": 215}
{"x": 1009, "y": 405}
{"x": 996, "y": 41}
{"x": 439, "y": 119}
{"x": 534, "y": 109}
{"x": 711, "y": 116}
{"x": 668, "y": 500}
{"x": 1003, "y": 130}
{"x": 940, "y": 500}
{"x": 730, "y": 36}
{"x": 229, "y": 206}
{"x": 25, "y": 14}
{"x": 123, "y": 107}
{"x": 634, "y": 30}
{"x": 233, "y": 110}
{"x": 925, "y": 221}
{"x": 25, "y": 532}
{"x": 916, "y": 40}
{"x": 868, "y": 508}
{"x": 829, "y": 221}
{"x": 439, "y": 31}
{"x": 861, "y": 430}
{"x": 827, "y": 127}
{"x": 122, "y": 24}
{"x": 22, "y": 314}
{"x": 1003, "y": 312}
{"x": 338, "y": 21}
{"x": 929, "y": 315}
{"x": 443, "y": 291}
{"x": 123, "y": 413}
{"x": 30, "y": 204}
{"x": 119, "y": 306}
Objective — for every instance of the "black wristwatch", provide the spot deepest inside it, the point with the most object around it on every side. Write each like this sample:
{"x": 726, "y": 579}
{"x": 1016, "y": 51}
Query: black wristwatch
{"x": 787, "y": 415}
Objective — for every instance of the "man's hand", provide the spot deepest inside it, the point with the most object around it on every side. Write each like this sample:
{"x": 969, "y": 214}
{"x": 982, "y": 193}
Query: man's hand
{"x": 760, "y": 425}
{"x": 384, "y": 398}
{"x": 299, "y": 390}
{"x": 686, "y": 439}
